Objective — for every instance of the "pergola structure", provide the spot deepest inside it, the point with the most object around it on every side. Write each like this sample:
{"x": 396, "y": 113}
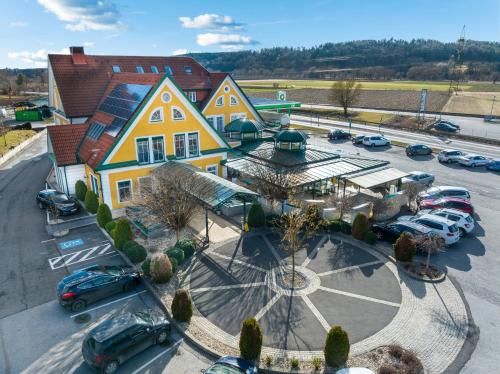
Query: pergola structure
{"x": 211, "y": 191}
{"x": 262, "y": 103}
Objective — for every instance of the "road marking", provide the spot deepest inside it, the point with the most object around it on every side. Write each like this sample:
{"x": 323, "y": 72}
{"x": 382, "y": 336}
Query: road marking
{"x": 313, "y": 253}
{"x": 228, "y": 287}
{"x": 79, "y": 256}
{"x": 158, "y": 356}
{"x": 48, "y": 240}
{"x": 273, "y": 250}
{"x": 70, "y": 244}
{"x": 268, "y": 306}
{"x": 354, "y": 267}
{"x": 235, "y": 261}
{"x": 361, "y": 297}
{"x": 109, "y": 303}
{"x": 316, "y": 313}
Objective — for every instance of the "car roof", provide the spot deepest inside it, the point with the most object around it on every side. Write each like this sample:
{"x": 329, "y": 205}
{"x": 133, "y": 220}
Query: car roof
{"x": 457, "y": 199}
{"x": 439, "y": 219}
{"x": 448, "y": 188}
{"x": 236, "y": 361}
{"x": 451, "y": 150}
{"x": 415, "y": 225}
{"x": 417, "y": 172}
{"x": 113, "y": 326}
{"x": 453, "y": 211}
{"x": 471, "y": 155}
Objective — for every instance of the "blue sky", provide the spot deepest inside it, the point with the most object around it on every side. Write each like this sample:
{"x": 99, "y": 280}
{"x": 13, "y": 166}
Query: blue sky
{"x": 32, "y": 28}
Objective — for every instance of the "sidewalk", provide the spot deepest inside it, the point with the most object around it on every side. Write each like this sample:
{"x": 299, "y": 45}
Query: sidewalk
{"x": 219, "y": 228}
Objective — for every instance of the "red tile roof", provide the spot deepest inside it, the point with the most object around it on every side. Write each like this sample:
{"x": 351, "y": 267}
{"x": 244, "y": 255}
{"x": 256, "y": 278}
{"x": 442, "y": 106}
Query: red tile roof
{"x": 82, "y": 79}
{"x": 215, "y": 80}
{"x": 65, "y": 140}
{"x": 92, "y": 152}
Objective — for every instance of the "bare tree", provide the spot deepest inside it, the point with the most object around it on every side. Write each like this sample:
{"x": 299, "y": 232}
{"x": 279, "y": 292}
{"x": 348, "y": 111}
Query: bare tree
{"x": 346, "y": 93}
{"x": 412, "y": 191}
{"x": 429, "y": 245}
{"x": 380, "y": 208}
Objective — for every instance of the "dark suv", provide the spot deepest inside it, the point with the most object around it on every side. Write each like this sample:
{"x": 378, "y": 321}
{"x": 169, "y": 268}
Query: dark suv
{"x": 94, "y": 283}
{"x": 53, "y": 199}
{"x": 114, "y": 341}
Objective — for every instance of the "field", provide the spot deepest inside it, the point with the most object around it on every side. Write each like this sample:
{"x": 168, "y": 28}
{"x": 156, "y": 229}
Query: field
{"x": 270, "y": 84}
{"x": 13, "y": 138}
{"x": 473, "y": 103}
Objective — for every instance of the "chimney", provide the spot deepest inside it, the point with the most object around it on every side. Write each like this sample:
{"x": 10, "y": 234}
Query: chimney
{"x": 78, "y": 55}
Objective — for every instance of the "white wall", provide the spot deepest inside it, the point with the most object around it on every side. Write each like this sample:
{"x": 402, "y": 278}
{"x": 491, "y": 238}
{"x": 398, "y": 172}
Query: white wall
{"x": 66, "y": 179}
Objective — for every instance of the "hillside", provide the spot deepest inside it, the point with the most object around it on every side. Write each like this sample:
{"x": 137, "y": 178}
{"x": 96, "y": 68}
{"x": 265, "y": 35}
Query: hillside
{"x": 368, "y": 59}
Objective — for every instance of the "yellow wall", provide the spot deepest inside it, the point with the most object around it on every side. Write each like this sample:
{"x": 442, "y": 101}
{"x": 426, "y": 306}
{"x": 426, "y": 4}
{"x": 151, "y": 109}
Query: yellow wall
{"x": 88, "y": 171}
{"x": 227, "y": 109}
{"x": 60, "y": 120}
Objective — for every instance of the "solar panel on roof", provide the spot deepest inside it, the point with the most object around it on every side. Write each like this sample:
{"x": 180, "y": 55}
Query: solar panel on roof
{"x": 124, "y": 99}
{"x": 115, "y": 126}
{"x": 95, "y": 130}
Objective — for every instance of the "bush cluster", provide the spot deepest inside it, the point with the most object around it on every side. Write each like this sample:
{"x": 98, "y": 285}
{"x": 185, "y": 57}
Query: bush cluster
{"x": 160, "y": 268}
{"x": 134, "y": 251}
{"x": 337, "y": 347}
{"x": 176, "y": 254}
{"x": 272, "y": 220}
{"x": 256, "y": 216}
{"x": 360, "y": 226}
{"x": 404, "y": 248}
{"x": 188, "y": 246}
{"x": 122, "y": 233}
{"x": 109, "y": 227}
{"x": 334, "y": 225}
{"x": 103, "y": 215}
{"x": 91, "y": 202}
{"x": 146, "y": 266}
{"x": 182, "y": 306}
{"x": 345, "y": 228}
{"x": 370, "y": 237}
{"x": 250, "y": 339}
{"x": 80, "y": 190}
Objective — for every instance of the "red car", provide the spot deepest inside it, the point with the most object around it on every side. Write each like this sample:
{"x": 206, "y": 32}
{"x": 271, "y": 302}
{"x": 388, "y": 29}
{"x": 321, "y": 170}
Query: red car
{"x": 448, "y": 202}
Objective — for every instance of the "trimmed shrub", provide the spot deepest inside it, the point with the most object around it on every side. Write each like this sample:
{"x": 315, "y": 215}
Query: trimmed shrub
{"x": 370, "y": 237}
{"x": 110, "y": 226}
{"x": 182, "y": 306}
{"x": 334, "y": 226}
{"x": 146, "y": 266}
{"x": 91, "y": 202}
{"x": 359, "y": 226}
{"x": 404, "y": 248}
{"x": 250, "y": 339}
{"x": 135, "y": 252}
{"x": 177, "y": 253}
{"x": 294, "y": 363}
{"x": 188, "y": 246}
{"x": 160, "y": 268}
{"x": 112, "y": 233}
{"x": 316, "y": 363}
{"x": 80, "y": 190}
{"x": 345, "y": 228}
{"x": 256, "y": 216}
{"x": 336, "y": 347}
{"x": 174, "y": 263}
{"x": 123, "y": 233}
{"x": 103, "y": 215}
{"x": 129, "y": 244}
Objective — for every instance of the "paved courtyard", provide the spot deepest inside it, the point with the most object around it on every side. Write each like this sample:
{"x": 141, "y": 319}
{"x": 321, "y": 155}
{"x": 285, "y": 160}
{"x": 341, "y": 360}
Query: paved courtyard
{"x": 346, "y": 284}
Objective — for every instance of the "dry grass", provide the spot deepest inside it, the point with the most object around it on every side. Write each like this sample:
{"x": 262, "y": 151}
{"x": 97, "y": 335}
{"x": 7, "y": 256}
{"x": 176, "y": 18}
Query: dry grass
{"x": 14, "y": 138}
{"x": 473, "y": 103}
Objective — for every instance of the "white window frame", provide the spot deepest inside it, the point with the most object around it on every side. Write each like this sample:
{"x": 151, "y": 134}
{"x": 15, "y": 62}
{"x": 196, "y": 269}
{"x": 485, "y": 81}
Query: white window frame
{"x": 154, "y": 69}
{"x": 150, "y": 149}
{"x": 153, "y": 161}
{"x": 212, "y": 166}
{"x": 181, "y": 111}
{"x": 186, "y": 144}
{"x": 144, "y": 138}
{"x": 221, "y": 98}
{"x": 231, "y": 98}
{"x": 215, "y": 121}
{"x": 234, "y": 116}
{"x": 192, "y": 96}
{"x": 168, "y": 70}
{"x": 169, "y": 97}
{"x": 116, "y": 69}
{"x": 159, "y": 109}
{"x": 227, "y": 88}
{"x": 118, "y": 190}
{"x": 94, "y": 184}
{"x": 139, "y": 69}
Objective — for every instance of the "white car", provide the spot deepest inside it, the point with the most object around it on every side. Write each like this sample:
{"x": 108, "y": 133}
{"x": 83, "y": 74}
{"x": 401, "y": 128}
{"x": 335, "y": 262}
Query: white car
{"x": 444, "y": 191}
{"x": 354, "y": 371}
{"x": 418, "y": 177}
{"x": 375, "y": 140}
{"x": 464, "y": 221}
{"x": 445, "y": 228}
{"x": 450, "y": 155}
{"x": 473, "y": 160}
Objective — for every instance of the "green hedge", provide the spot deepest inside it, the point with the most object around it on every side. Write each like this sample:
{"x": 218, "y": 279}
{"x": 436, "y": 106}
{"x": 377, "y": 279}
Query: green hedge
{"x": 182, "y": 306}
{"x": 110, "y": 226}
{"x": 333, "y": 226}
{"x": 80, "y": 190}
{"x": 250, "y": 339}
{"x": 345, "y": 228}
{"x": 146, "y": 266}
{"x": 177, "y": 253}
{"x": 122, "y": 233}
{"x": 134, "y": 251}
{"x": 336, "y": 347}
{"x": 256, "y": 216}
{"x": 188, "y": 246}
{"x": 370, "y": 237}
{"x": 174, "y": 263}
{"x": 91, "y": 202}
{"x": 103, "y": 215}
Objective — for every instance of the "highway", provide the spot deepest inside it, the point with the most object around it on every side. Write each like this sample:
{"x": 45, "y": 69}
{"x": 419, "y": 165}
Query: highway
{"x": 433, "y": 141}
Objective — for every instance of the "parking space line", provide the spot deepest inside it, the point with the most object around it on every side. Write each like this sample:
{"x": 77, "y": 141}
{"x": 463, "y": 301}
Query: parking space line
{"x": 109, "y": 303}
{"x": 316, "y": 313}
{"x": 361, "y": 297}
{"x": 158, "y": 356}
{"x": 347, "y": 268}
{"x": 313, "y": 253}
{"x": 79, "y": 256}
{"x": 242, "y": 263}
{"x": 228, "y": 287}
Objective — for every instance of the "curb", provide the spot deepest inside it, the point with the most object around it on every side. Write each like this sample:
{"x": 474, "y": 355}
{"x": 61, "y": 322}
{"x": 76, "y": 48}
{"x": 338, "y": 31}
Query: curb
{"x": 8, "y": 155}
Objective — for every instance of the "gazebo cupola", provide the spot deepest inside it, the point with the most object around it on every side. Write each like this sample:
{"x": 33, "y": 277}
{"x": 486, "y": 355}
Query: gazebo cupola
{"x": 244, "y": 129}
{"x": 290, "y": 140}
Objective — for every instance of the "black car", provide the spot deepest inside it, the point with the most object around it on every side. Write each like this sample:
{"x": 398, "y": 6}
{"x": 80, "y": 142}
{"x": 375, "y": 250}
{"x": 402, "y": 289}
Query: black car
{"x": 114, "y": 341}
{"x": 232, "y": 365}
{"x": 418, "y": 149}
{"x": 94, "y": 283}
{"x": 442, "y": 126}
{"x": 64, "y": 204}
{"x": 451, "y": 124}
{"x": 358, "y": 139}
{"x": 338, "y": 134}
{"x": 392, "y": 231}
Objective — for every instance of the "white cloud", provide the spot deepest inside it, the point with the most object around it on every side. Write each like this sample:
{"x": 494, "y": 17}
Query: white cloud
{"x": 225, "y": 41}
{"x": 181, "y": 51}
{"x": 211, "y": 21}
{"x": 83, "y": 15}
{"x": 36, "y": 58}
{"x": 88, "y": 44}
{"x": 18, "y": 24}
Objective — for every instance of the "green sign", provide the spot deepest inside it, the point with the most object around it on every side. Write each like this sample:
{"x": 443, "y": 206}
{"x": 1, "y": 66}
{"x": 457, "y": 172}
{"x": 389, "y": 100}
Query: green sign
{"x": 281, "y": 95}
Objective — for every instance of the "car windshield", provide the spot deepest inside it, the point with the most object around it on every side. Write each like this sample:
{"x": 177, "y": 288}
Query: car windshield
{"x": 219, "y": 368}
{"x": 468, "y": 219}
{"x": 60, "y": 198}
{"x": 453, "y": 228}
{"x": 432, "y": 190}
{"x": 143, "y": 318}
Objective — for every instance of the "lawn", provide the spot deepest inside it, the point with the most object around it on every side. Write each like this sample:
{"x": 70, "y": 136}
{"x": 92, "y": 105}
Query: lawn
{"x": 443, "y": 86}
{"x": 14, "y": 138}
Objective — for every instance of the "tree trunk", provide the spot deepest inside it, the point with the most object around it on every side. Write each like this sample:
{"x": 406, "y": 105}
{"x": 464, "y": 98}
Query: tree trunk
{"x": 345, "y": 111}
{"x": 293, "y": 269}
{"x": 427, "y": 261}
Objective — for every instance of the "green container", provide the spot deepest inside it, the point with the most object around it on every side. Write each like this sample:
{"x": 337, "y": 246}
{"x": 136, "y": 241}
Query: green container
{"x": 28, "y": 115}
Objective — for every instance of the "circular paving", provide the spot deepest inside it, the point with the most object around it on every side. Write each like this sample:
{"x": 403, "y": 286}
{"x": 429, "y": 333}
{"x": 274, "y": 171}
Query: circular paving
{"x": 336, "y": 284}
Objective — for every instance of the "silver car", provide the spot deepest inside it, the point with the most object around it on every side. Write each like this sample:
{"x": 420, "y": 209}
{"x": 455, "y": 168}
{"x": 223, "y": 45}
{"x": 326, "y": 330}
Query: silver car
{"x": 450, "y": 155}
{"x": 473, "y": 160}
{"x": 418, "y": 177}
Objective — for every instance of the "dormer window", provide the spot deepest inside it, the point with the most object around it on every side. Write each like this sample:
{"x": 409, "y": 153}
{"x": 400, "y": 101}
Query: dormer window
{"x": 116, "y": 69}
{"x": 156, "y": 116}
{"x": 219, "y": 101}
{"x": 168, "y": 70}
{"x": 139, "y": 69}
{"x": 192, "y": 96}
{"x": 178, "y": 114}
{"x": 154, "y": 69}
{"x": 233, "y": 101}
{"x": 188, "y": 70}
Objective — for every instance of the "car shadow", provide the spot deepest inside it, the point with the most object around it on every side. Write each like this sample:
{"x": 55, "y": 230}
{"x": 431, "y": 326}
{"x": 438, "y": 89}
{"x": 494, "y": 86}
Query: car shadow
{"x": 457, "y": 166}
{"x": 422, "y": 157}
{"x": 378, "y": 149}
